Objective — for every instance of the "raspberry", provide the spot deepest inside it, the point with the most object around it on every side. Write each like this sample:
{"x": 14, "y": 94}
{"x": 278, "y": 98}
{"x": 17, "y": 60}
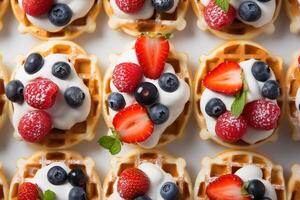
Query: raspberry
{"x": 28, "y": 191}
{"x": 130, "y": 6}
{"x": 37, "y": 7}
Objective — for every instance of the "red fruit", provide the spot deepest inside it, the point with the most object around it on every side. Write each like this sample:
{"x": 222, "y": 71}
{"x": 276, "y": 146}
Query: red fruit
{"x": 225, "y": 78}
{"x": 133, "y": 124}
{"x": 34, "y": 126}
{"x": 230, "y": 128}
{"x": 262, "y": 114}
{"x": 37, "y": 7}
{"x": 133, "y": 183}
{"x": 41, "y": 93}
{"x": 126, "y": 76}
{"x": 216, "y": 18}
{"x": 130, "y": 6}
{"x": 152, "y": 54}
{"x": 28, "y": 191}
{"x": 299, "y": 60}
{"x": 226, "y": 187}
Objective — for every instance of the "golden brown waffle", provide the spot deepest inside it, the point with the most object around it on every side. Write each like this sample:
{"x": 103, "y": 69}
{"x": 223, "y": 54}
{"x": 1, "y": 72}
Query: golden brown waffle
{"x": 238, "y": 29}
{"x": 3, "y": 7}
{"x": 4, "y": 105}
{"x": 293, "y": 189}
{"x": 158, "y": 23}
{"x": 175, "y": 130}
{"x": 229, "y": 162}
{"x": 27, "y": 168}
{"x": 174, "y": 166}
{"x": 3, "y": 185}
{"x": 86, "y": 67}
{"x": 293, "y": 11}
{"x": 237, "y": 51}
{"x": 76, "y": 28}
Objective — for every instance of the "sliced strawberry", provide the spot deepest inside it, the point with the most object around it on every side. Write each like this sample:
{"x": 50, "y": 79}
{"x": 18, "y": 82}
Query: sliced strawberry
{"x": 133, "y": 124}
{"x": 225, "y": 78}
{"x": 152, "y": 54}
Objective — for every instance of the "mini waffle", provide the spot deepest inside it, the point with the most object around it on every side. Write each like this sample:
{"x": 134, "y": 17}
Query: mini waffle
{"x": 3, "y": 185}
{"x": 229, "y": 162}
{"x": 294, "y": 184}
{"x": 3, "y": 100}
{"x": 174, "y": 166}
{"x": 3, "y": 7}
{"x": 237, "y": 51}
{"x": 293, "y": 11}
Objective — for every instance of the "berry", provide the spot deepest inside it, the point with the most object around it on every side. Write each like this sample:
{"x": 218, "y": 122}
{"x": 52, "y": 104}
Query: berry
{"x": 159, "y": 113}
{"x": 14, "y": 91}
{"x": 262, "y": 114}
{"x": 169, "y": 191}
{"x": 133, "y": 124}
{"x": 152, "y": 54}
{"x": 230, "y": 128}
{"x": 116, "y": 101}
{"x": 77, "y": 193}
{"x": 34, "y": 126}
{"x": 74, "y": 97}
{"x": 77, "y": 178}
{"x": 33, "y": 63}
{"x": 37, "y": 7}
{"x": 60, "y": 14}
{"x": 146, "y": 93}
{"x": 250, "y": 11}
{"x": 265, "y": 198}
{"x": 61, "y": 70}
{"x": 145, "y": 197}
{"x": 28, "y": 191}
{"x": 215, "y": 107}
{"x": 41, "y": 93}
{"x": 132, "y": 183}
{"x": 225, "y": 78}
{"x": 163, "y": 5}
{"x": 126, "y": 77}
{"x": 271, "y": 90}
{"x": 168, "y": 82}
{"x": 256, "y": 188}
{"x": 57, "y": 175}
{"x": 261, "y": 71}
{"x": 216, "y": 18}
{"x": 130, "y": 6}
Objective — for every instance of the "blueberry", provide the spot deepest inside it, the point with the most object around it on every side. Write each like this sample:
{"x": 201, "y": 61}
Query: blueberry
{"x": 77, "y": 178}
{"x": 77, "y": 193}
{"x": 145, "y": 197}
{"x": 74, "y": 96}
{"x": 57, "y": 175}
{"x": 163, "y": 5}
{"x": 116, "y": 101}
{"x": 263, "y": 1}
{"x": 271, "y": 90}
{"x": 168, "y": 82}
{"x": 33, "y": 63}
{"x": 265, "y": 198}
{"x": 169, "y": 191}
{"x": 60, "y": 14}
{"x": 61, "y": 70}
{"x": 249, "y": 11}
{"x": 256, "y": 188}
{"x": 146, "y": 93}
{"x": 261, "y": 71}
{"x": 215, "y": 107}
{"x": 159, "y": 113}
{"x": 14, "y": 91}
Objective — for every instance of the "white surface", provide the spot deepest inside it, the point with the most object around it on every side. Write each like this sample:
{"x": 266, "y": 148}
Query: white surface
{"x": 192, "y": 41}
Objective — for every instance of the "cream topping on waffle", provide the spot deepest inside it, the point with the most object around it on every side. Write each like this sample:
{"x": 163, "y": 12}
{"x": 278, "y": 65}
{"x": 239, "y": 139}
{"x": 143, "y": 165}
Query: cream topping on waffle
{"x": 297, "y": 102}
{"x": 79, "y": 9}
{"x": 254, "y": 93}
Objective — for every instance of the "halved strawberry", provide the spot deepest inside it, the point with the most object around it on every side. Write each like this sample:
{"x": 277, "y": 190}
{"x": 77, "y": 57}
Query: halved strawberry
{"x": 225, "y": 78}
{"x": 226, "y": 187}
{"x": 152, "y": 54}
{"x": 133, "y": 124}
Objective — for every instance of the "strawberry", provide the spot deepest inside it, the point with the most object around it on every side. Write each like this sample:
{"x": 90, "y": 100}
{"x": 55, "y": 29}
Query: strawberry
{"x": 132, "y": 183}
{"x": 126, "y": 77}
{"x": 226, "y": 187}
{"x": 41, "y": 93}
{"x": 133, "y": 124}
{"x": 28, "y": 191}
{"x": 152, "y": 54}
{"x": 34, "y": 126}
{"x": 299, "y": 60}
{"x": 262, "y": 114}
{"x": 217, "y": 18}
{"x": 130, "y": 6}
{"x": 230, "y": 128}
{"x": 225, "y": 78}
{"x": 37, "y": 7}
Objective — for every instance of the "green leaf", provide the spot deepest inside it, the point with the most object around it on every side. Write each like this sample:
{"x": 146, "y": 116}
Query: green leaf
{"x": 49, "y": 195}
{"x": 113, "y": 143}
{"x": 240, "y": 101}
{"x": 116, "y": 147}
{"x": 106, "y": 141}
{"x": 224, "y": 4}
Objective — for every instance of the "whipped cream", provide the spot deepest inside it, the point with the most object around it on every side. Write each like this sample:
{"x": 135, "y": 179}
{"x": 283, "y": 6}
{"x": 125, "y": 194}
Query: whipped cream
{"x": 297, "y": 102}
{"x": 79, "y": 9}
{"x": 175, "y": 101}
{"x": 254, "y": 93}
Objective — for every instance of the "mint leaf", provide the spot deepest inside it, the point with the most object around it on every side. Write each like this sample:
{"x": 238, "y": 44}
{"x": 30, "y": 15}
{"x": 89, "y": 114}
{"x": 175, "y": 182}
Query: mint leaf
{"x": 49, "y": 195}
{"x": 224, "y": 4}
{"x": 115, "y": 148}
{"x": 113, "y": 143}
{"x": 240, "y": 101}
{"x": 106, "y": 141}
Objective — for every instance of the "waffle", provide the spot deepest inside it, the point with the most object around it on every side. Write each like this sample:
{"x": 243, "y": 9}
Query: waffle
{"x": 4, "y": 106}
{"x": 158, "y": 23}
{"x": 293, "y": 11}
{"x": 3, "y": 7}
{"x": 175, "y": 130}
{"x": 87, "y": 68}
{"x": 174, "y": 166}
{"x": 238, "y": 29}
{"x": 293, "y": 189}
{"x": 3, "y": 185}
{"x": 27, "y": 168}
{"x": 229, "y": 162}
{"x": 76, "y": 28}
{"x": 237, "y": 51}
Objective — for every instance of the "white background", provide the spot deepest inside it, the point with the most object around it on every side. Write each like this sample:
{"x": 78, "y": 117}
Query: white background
{"x": 191, "y": 41}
